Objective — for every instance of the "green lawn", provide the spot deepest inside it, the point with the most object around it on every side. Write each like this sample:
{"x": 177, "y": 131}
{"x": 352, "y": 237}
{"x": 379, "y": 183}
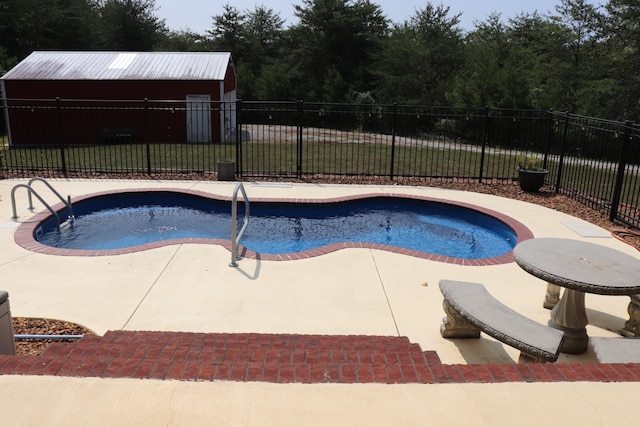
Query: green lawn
{"x": 439, "y": 159}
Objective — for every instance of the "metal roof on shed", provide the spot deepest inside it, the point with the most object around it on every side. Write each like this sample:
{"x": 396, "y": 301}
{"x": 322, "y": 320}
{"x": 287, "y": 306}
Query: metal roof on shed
{"x": 121, "y": 66}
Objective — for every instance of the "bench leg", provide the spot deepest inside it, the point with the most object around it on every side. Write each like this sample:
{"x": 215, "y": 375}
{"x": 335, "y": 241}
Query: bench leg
{"x": 456, "y": 326}
{"x": 632, "y": 326}
{"x": 552, "y": 296}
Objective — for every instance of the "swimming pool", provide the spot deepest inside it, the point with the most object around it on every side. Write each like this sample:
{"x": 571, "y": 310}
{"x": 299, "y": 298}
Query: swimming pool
{"x": 417, "y": 226}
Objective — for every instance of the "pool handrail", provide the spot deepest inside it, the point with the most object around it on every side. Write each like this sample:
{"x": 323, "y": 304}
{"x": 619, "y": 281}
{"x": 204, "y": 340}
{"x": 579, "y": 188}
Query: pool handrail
{"x": 235, "y": 238}
{"x": 53, "y": 190}
{"x": 30, "y": 190}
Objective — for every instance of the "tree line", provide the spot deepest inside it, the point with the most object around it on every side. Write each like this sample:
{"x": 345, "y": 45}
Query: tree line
{"x": 579, "y": 58}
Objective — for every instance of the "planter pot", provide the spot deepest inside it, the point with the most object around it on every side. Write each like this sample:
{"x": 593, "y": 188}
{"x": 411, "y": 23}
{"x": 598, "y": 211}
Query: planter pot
{"x": 226, "y": 171}
{"x": 531, "y": 180}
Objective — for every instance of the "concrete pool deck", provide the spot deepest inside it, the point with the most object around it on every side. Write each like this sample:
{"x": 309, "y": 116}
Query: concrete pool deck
{"x": 354, "y": 291}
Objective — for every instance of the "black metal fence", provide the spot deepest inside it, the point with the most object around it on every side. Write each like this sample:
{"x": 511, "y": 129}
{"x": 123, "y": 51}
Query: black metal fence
{"x": 593, "y": 160}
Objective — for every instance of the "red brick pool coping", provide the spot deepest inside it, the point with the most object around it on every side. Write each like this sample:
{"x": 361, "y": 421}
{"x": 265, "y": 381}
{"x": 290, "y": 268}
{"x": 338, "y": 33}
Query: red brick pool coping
{"x": 24, "y": 235}
{"x": 285, "y": 358}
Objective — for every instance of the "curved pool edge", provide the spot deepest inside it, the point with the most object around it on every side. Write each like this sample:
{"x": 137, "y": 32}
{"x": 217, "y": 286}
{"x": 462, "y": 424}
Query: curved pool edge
{"x": 24, "y": 234}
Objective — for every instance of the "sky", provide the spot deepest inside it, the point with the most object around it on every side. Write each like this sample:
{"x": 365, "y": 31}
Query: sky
{"x": 196, "y": 14}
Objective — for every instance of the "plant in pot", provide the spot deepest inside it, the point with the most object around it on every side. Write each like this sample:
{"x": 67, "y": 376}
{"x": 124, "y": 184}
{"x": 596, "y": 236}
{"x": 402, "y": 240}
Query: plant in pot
{"x": 531, "y": 174}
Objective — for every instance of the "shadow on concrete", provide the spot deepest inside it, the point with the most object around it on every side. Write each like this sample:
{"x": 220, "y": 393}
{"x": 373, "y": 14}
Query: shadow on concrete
{"x": 482, "y": 350}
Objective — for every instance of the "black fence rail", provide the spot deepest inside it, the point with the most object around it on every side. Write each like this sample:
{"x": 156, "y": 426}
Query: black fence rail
{"x": 593, "y": 160}
{"x": 597, "y": 162}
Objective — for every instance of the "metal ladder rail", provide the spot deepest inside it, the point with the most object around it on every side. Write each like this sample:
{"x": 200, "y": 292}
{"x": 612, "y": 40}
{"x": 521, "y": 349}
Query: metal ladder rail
{"x": 235, "y": 238}
{"x": 53, "y": 190}
{"x": 30, "y": 190}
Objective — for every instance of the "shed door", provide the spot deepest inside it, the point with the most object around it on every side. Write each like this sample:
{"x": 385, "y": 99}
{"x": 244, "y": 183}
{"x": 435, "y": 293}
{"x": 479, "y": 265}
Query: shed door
{"x": 228, "y": 116}
{"x": 198, "y": 119}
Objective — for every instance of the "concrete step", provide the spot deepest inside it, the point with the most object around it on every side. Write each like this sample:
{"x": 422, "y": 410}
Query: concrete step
{"x": 237, "y": 357}
{"x": 242, "y": 347}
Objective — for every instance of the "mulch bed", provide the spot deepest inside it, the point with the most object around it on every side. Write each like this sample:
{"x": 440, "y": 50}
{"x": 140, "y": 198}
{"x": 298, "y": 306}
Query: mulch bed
{"x": 37, "y": 326}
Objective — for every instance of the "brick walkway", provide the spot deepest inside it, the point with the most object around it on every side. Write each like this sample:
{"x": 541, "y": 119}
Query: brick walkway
{"x": 282, "y": 358}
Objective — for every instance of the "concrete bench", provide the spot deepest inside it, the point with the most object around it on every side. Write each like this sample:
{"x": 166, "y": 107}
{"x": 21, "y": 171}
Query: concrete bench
{"x": 471, "y": 309}
{"x": 616, "y": 350}
{"x": 632, "y": 326}
{"x": 7, "y": 342}
{"x": 118, "y": 136}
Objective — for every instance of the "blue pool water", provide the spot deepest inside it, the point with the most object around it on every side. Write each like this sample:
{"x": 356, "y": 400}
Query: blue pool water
{"x": 134, "y": 218}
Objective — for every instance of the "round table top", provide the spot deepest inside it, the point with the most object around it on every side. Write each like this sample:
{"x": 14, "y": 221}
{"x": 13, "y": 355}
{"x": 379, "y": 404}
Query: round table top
{"x": 579, "y": 265}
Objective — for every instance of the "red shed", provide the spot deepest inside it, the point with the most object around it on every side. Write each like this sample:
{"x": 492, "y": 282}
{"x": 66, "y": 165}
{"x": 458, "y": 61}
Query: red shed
{"x": 191, "y": 97}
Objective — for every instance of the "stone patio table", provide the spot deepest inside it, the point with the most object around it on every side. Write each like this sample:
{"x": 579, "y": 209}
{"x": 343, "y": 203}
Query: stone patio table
{"x": 579, "y": 267}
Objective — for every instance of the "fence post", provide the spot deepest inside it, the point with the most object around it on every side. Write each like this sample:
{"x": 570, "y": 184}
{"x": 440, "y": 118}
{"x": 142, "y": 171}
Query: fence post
{"x": 394, "y": 111}
{"x": 147, "y": 136}
{"x": 562, "y": 151}
{"x": 485, "y": 138}
{"x": 299, "y": 139}
{"x": 622, "y": 165}
{"x": 5, "y": 127}
{"x": 60, "y": 140}
{"x": 547, "y": 139}
{"x": 238, "y": 137}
